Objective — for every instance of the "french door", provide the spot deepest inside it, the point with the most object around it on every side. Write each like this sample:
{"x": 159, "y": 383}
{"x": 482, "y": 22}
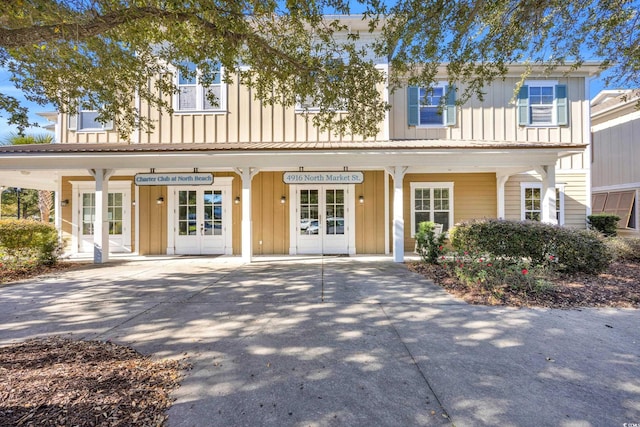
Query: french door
{"x": 201, "y": 220}
{"x": 118, "y": 218}
{"x": 322, "y": 219}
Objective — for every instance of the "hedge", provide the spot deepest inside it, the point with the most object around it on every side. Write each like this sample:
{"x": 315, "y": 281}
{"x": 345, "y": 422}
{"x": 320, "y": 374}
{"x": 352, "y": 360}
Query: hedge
{"x": 28, "y": 238}
{"x": 561, "y": 248}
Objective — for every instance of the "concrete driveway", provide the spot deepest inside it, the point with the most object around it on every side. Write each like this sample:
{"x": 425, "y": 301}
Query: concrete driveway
{"x": 341, "y": 342}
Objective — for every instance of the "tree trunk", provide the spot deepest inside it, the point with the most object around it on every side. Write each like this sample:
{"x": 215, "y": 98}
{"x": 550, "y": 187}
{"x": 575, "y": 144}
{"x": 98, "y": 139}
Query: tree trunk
{"x": 45, "y": 203}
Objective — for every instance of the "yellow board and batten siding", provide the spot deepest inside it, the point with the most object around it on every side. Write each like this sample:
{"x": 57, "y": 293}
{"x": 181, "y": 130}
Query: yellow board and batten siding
{"x": 245, "y": 119}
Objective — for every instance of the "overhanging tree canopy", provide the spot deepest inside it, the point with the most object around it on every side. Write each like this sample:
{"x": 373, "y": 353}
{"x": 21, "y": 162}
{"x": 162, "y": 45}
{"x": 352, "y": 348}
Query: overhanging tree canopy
{"x": 115, "y": 50}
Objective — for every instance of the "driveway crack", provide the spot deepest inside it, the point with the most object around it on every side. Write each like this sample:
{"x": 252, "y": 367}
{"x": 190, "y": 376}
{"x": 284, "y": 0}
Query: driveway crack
{"x": 415, "y": 363}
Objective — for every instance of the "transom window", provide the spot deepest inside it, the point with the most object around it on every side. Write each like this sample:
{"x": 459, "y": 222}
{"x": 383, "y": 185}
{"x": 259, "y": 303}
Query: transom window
{"x": 431, "y": 202}
{"x": 193, "y": 95}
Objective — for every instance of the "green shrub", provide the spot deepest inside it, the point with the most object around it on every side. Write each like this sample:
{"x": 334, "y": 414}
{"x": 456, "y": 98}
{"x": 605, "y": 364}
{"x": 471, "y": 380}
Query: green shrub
{"x": 499, "y": 274}
{"x": 24, "y": 239}
{"x": 429, "y": 245}
{"x": 624, "y": 248}
{"x": 541, "y": 244}
{"x": 605, "y": 223}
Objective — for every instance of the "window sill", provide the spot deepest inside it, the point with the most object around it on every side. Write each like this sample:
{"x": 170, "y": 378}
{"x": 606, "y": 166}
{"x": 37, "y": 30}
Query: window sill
{"x": 187, "y": 112}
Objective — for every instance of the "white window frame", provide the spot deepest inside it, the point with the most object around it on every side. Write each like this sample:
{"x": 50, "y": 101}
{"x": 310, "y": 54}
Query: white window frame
{"x": 200, "y": 95}
{"x": 554, "y": 107}
{"x": 104, "y": 127}
{"x": 523, "y": 187}
{"x": 438, "y": 85}
{"x": 430, "y": 185}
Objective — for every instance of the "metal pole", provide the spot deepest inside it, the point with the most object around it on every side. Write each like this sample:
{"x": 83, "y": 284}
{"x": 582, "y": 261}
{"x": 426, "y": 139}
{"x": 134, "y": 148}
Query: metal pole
{"x": 18, "y": 191}
{"x": 1, "y": 193}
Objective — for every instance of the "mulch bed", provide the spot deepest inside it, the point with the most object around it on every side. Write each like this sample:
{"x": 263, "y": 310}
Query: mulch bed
{"x": 56, "y": 381}
{"x": 618, "y": 287}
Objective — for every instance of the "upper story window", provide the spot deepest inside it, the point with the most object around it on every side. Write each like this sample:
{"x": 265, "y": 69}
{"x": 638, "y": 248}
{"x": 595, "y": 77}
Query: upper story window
{"x": 431, "y": 107}
{"x": 194, "y": 95}
{"x": 86, "y": 119}
{"x": 543, "y": 103}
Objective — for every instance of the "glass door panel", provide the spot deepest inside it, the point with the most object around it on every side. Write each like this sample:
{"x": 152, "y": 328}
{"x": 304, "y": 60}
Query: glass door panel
{"x": 88, "y": 213}
{"x": 187, "y": 218}
{"x": 309, "y": 212}
{"x": 334, "y": 211}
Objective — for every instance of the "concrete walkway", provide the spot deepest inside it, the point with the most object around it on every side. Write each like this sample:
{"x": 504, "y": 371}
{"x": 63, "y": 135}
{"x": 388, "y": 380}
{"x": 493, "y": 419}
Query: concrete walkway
{"x": 341, "y": 342}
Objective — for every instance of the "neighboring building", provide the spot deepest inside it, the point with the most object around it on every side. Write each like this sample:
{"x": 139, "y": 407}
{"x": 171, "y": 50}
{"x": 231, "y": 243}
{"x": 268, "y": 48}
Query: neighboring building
{"x": 615, "y": 127}
{"x": 282, "y": 187}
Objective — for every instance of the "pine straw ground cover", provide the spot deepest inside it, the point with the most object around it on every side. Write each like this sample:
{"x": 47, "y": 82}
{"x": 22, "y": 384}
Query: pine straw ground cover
{"x": 618, "y": 286}
{"x": 56, "y": 381}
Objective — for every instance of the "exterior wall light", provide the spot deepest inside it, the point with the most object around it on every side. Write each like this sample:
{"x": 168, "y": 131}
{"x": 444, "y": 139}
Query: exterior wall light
{"x": 283, "y": 200}
{"x": 237, "y": 200}
{"x": 160, "y": 200}
{"x": 64, "y": 203}
{"x": 361, "y": 199}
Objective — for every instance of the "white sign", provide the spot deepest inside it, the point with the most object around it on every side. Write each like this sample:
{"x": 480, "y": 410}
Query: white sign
{"x": 323, "y": 177}
{"x": 174, "y": 178}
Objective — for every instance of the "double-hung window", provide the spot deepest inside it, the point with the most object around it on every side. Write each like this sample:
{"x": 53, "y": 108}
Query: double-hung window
{"x": 531, "y": 194}
{"x": 194, "y": 95}
{"x": 531, "y": 201}
{"x": 431, "y": 201}
{"x": 543, "y": 103}
{"x": 434, "y": 106}
{"x": 86, "y": 119}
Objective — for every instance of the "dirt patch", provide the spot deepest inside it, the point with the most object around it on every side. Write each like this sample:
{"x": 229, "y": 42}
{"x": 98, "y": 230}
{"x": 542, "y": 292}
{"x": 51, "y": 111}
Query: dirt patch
{"x": 619, "y": 286}
{"x": 56, "y": 381}
{"x": 8, "y": 275}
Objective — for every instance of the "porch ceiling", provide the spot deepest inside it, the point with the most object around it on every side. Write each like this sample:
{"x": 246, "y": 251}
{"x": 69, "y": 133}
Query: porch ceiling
{"x": 39, "y": 166}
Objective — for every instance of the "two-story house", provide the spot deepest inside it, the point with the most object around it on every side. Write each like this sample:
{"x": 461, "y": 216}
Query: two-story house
{"x": 615, "y": 121}
{"x": 248, "y": 179}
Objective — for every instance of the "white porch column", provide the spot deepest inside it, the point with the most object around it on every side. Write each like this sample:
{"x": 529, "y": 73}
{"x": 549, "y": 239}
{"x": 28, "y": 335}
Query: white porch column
{"x": 101, "y": 221}
{"x": 501, "y": 181}
{"x": 247, "y": 175}
{"x": 548, "y": 194}
{"x": 398, "y": 173}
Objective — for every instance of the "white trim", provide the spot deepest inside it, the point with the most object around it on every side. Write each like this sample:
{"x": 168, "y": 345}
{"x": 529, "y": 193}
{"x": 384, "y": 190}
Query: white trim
{"x": 628, "y": 186}
{"x": 438, "y": 84}
{"x": 554, "y": 105}
{"x": 572, "y": 171}
{"x": 586, "y": 136}
{"x": 560, "y": 196}
{"x": 79, "y": 187}
{"x": 136, "y": 219}
{"x": 350, "y": 216}
{"x": 617, "y": 121}
{"x": 523, "y": 187}
{"x": 386, "y": 213}
{"x": 200, "y": 95}
{"x": 220, "y": 183}
{"x": 430, "y": 185}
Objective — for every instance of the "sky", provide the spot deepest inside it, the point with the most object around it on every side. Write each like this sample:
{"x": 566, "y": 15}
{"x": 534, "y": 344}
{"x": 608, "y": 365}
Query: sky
{"x": 7, "y": 87}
